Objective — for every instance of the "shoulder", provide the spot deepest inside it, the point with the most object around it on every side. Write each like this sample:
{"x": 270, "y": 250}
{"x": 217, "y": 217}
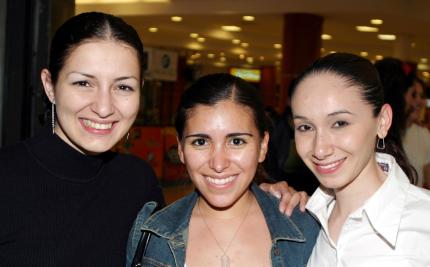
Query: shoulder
{"x": 135, "y": 177}
{"x": 418, "y": 201}
{"x": 13, "y": 159}
{"x": 299, "y": 223}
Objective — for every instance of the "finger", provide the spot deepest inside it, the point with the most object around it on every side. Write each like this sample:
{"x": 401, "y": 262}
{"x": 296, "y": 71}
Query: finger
{"x": 294, "y": 201}
{"x": 279, "y": 189}
{"x": 284, "y": 202}
{"x": 303, "y": 201}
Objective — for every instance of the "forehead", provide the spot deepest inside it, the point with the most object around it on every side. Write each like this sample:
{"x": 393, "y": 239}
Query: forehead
{"x": 224, "y": 115}
{"x": 326, "y": 92}
{"x": 100, "y": 48}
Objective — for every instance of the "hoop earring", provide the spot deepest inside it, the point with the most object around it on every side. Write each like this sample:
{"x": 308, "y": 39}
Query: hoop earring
{"x": 380, "y": 145}
{"x": 53, "y": 117}
{"x": 127, "y": 136}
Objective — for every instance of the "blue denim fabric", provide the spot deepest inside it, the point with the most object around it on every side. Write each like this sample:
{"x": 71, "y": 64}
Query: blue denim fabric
{"x": 293, "y": 237}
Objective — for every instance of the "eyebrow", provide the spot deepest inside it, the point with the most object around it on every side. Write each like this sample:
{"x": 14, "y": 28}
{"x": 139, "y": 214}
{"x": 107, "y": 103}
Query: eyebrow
{"x": 92, "y": 76}
{"x": 339, "y": 112}
{"x": 202, "y": 135}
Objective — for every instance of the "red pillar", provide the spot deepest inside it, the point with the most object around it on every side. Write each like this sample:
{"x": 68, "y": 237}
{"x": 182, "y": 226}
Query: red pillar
{"x": 301, "y": 46}
{"x": 268, "y": 86}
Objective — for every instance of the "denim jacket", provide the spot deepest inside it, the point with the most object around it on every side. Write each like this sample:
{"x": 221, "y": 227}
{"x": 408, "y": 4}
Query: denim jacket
{"x": 292, "y": 237}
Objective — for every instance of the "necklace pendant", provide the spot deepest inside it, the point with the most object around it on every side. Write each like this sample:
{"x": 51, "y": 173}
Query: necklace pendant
{"x": 225, "y": 261}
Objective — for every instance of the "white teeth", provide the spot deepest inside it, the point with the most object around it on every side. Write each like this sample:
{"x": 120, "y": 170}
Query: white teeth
{"x": 332, "y": 165}
{"x": 98, "y": 126}
{"x": 220, "y": 181}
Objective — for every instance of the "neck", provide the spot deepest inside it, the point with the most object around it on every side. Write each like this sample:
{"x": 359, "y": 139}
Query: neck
{"x": 352, "y": 196}
{"x": 234, "y": 211}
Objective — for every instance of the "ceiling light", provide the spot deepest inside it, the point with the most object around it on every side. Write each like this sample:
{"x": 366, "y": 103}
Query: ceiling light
{"x": 219, "y": 64}
{"x": 176, "y": 19}
{"x": 332, "y": 52}
{"x": 322, "y": 50}
{"x": 194, "y": 46}
{"x": 422, "y": 66}
{"x": 231, "y": 28}
{"x": 279, "y": 56}
{"x": 366, "y": 29}
{"x": 423, "y": 60}
{"x": 376, "y": 21}
{"x": 426, "y": 74}
{"x": 201, "y": 39}
{"x": 248, "y": 18}
{"x": 155, "y": 1}
{"x": 250, "y": 60}
{"x": 244, "y": 44}
{"x": 210, "y": 55}
{"x": 364, "y": 54}
{"x": 326, "y": 36}
{"x": 194, "y": 35}
{"x": 387, "y": 37}
{"x": 221, "y": 54}
{"x": 277, "y": 46}
{"x": 235, "y": 41}
{"x": 118, "y": 1}
{"x": 222, "y": 59}
{"x": 379, "y": 57}
{"x": 242, "y": 56}
{"x": 261, "y": 58}
{"x": 153, "y": 29}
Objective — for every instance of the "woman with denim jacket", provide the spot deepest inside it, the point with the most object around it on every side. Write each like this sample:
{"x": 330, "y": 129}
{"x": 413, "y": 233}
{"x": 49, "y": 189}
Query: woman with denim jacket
{"x": 228, "y": 220}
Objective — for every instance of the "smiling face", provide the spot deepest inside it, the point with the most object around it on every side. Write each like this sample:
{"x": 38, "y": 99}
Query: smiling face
{"x": 96, "y": 95}
{"x": 221, "y": 149}
{"x": 335, "y": 130}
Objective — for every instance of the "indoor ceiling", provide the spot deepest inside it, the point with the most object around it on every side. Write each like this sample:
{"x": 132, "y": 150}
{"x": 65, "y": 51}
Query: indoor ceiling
{"x": 409, "y": 20}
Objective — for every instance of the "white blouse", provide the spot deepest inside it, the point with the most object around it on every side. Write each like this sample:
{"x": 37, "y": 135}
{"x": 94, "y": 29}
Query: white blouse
{"x": 391, "y": 229}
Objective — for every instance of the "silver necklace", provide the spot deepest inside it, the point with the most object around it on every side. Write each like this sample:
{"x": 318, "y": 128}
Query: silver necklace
{"x": 225, "y": 259}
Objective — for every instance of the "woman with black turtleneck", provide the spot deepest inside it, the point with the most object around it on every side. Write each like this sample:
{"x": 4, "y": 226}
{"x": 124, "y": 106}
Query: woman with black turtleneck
{"x": 65, "y": 199}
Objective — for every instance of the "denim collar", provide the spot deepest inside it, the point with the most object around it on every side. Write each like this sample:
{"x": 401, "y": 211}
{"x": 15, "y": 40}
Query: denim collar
{"x": 172, "y": 222}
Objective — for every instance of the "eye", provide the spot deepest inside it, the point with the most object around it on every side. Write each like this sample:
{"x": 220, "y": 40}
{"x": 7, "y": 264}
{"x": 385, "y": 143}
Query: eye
{"x": 303, "y": 128}
{"x": 126, "y": 88}
{"x": 339, "y": 124}
{"x": 199, "y": 142}
{"x": 237, "y": 141}
{"x": 82, "y": 83}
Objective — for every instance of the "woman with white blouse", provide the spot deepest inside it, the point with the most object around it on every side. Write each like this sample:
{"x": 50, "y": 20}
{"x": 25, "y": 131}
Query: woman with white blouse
{"x": 371, "y": 214}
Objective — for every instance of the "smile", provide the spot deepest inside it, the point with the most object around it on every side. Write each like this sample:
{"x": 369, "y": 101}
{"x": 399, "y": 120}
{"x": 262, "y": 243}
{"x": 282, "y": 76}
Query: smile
{"x": 222, "y": 181}
{"x": 97, "y": 126}
{"x": 330, "y": 167}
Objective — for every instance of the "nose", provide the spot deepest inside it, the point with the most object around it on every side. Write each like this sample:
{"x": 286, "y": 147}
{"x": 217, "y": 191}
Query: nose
{"x": 323, "y": 146}
{"x": 103, "y": 103}
{"x": 219, "y": 160}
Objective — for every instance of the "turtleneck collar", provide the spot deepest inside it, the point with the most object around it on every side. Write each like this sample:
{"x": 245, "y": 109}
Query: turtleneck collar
{"x": 65, "y": 162}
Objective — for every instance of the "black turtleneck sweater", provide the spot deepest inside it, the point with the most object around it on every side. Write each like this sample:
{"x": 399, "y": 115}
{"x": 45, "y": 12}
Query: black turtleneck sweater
{"x": 61, "y": 208}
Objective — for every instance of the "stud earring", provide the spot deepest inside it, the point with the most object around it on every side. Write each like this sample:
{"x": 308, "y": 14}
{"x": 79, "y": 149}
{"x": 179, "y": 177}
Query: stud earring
{"x": 380, "y": 144}
{"x": 127, "y": 136}
{"x": 53, "y": 117}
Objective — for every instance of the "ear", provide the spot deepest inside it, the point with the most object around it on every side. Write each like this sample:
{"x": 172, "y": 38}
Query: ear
{"x": 48, "y": 86}
{"x": 180, "y": 150}
{"x": 384, "y": 120}
{"x": 264, "y": 147}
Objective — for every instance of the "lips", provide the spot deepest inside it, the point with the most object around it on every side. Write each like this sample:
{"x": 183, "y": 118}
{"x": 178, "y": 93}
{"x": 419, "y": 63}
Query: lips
{"x": 328, "y": 168}
{"x": 220, "y": 181}
{"x": 97, "y": 127}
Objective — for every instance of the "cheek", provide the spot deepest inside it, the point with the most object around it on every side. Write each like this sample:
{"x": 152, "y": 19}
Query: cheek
{"x": 129, "y": 107}
{"x": 303, "y": 144}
